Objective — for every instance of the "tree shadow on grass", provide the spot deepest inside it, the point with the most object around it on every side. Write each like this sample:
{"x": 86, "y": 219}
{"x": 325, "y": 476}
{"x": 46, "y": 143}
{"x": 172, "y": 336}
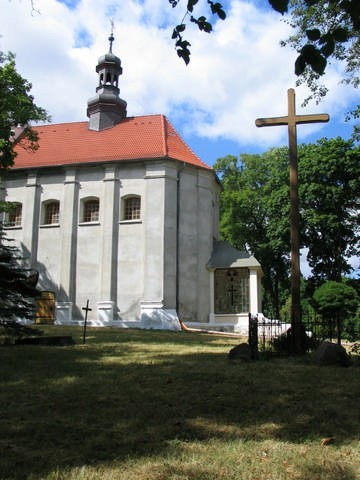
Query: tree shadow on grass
{"x": 70, "y": 406}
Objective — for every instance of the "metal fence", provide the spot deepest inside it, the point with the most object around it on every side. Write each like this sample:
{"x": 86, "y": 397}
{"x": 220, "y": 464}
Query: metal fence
{"x": 273, "y": 337}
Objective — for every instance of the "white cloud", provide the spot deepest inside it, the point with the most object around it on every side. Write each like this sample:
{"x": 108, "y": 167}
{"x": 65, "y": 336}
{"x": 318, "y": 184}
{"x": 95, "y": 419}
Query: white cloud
{"x": 237, "y": 73}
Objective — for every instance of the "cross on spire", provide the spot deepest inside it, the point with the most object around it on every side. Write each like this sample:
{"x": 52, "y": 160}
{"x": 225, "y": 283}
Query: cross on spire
{"x": 291, "y": 120}
{"x": 111, "y": 37}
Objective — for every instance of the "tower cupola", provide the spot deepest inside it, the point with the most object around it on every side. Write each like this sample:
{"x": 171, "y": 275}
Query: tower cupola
{"x": 107, "y": 109}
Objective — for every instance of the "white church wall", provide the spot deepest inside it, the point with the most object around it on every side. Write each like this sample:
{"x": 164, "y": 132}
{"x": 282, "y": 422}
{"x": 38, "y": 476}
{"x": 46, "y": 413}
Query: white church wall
{"x": 88, "y": 267}
{"x": 48, "y": 241}
{"x": 127, "y": 269}
{"x": 89, "y": 244}
{"x": 130, "y": 263}
{"x": 170, "y": 236}
{"x": 130, "y": 270}
{"x": 207, "y": 228}
{"x": 197, "y": 228}
{"x": 154, "y": 238}
{"x": 48, "y": 258}
{"x": 188, "y": 238}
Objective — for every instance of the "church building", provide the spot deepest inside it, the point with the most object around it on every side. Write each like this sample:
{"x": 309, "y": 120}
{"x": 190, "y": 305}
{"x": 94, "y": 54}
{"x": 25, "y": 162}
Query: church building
{"x": 121, "y": 212}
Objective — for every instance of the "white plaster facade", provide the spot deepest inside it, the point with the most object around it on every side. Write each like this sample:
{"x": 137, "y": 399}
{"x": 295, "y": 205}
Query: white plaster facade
{"x": 128, "y": 269}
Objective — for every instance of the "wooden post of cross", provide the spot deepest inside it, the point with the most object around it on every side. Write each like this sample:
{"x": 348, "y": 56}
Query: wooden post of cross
{"x": 291, "y": 120}
{"x": 87, "y": 309}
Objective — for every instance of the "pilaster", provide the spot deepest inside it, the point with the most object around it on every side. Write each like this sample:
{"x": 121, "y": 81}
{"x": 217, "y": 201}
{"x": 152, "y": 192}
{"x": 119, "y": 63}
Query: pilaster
{"x": 31, "y": 212}
{"x": 68, "y": 237}
{"x": 154, "y": 233}
{"x": 253, "y": 287}
{"x": 109, "y": 208}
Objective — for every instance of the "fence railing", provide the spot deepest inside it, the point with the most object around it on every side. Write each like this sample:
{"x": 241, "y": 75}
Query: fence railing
{"x": 273, "y": 337}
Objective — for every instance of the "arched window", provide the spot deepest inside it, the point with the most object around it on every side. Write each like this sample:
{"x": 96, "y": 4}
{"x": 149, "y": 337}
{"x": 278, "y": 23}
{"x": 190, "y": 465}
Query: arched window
{"x": 50, "y": 212}
{"x": 131, "y": 207}
{"x": 89, "y": 210}
{"x": 14, "y": 216}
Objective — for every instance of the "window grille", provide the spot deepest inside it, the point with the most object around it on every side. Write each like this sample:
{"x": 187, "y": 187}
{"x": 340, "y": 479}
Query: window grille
{"x": 91, "y": 210}
{"x": 232, "y": 293}
{"x": 14, "y": 217}
{"x": 132, "y": 208}
{"x": 51, "y": 214}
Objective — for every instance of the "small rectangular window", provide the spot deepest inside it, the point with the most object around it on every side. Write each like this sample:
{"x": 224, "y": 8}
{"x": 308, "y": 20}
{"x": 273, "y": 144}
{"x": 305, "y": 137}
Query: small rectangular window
{"x": 91, "y": 211}
{"x": 14, "y": 217}
{"x": 132, "y": 208}
{"x": 52, "y": 210}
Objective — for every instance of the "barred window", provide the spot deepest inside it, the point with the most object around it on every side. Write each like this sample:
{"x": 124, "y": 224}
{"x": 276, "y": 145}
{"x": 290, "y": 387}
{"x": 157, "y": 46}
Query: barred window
{"x": 91, "y": 209}
{"x": 51, "y": 212}
{"x": 132, "y": 208}
{"x": 14, "y": 216}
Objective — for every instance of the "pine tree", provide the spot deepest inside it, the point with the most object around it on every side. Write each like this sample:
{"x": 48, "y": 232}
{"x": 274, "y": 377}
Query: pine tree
{"x": 17, "y": 284}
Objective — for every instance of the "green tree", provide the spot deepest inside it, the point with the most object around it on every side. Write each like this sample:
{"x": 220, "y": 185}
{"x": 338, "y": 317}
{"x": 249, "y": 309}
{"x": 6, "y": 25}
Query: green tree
{"x": 254, "y": 215}
{"x": 255, "y": 209}
{"x": 329, "y": 186}
{"x": 334, "y": 301}
{"x": 325, "y": 31}
{"x": 17, "y": 283}
{"x": 17, "y": 109}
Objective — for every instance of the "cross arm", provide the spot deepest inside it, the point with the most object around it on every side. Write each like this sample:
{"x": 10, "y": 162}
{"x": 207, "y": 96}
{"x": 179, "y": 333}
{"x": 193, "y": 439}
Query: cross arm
{"x": 316, "y": 118}
{"x": 269, "y": 122}
{"x": 298, "y": 119}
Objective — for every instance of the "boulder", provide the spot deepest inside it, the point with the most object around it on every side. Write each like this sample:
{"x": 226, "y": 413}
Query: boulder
{"x": 241, "y": 352}
{"x": 329, "y": 353}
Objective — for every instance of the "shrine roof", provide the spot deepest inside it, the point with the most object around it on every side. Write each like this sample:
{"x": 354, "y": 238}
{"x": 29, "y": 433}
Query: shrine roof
{"x": 134, "y": 138}
{"x": 226, "y": 256}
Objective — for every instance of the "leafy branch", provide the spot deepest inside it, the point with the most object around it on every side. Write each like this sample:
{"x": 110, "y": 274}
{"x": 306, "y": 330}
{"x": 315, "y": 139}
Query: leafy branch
{"x": 182, "y": 45}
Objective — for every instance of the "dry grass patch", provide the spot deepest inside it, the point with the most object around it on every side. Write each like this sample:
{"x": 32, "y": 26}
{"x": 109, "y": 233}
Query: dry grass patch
{"x": 149, "y": 405}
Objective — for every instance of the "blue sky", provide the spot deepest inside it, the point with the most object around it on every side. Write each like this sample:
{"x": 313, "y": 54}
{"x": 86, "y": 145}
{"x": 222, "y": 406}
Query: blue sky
{"x": 236, "y": 74}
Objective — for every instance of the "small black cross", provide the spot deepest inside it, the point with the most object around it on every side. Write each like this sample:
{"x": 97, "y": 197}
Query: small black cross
{"x": 87, "y": 309}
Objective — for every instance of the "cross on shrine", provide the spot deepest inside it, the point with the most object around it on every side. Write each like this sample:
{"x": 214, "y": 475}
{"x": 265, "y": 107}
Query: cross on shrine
{"x": 291, "y": 120}
{"x": 232, "y": 290}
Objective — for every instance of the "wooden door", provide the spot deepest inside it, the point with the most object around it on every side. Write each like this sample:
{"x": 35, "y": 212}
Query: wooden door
{"x": 45, "y": 308}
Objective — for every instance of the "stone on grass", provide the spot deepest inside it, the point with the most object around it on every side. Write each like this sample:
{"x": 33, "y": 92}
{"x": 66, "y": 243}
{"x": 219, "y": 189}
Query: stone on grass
{"x": 329, "y": 353}
{"x": 241, "y": 352}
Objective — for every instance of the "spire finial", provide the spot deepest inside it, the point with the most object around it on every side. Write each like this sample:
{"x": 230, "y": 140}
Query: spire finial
{"x": 111, "y": 38}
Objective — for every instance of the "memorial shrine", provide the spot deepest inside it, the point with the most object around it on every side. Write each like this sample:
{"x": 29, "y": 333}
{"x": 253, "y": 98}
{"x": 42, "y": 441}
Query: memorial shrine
{"x": 121, "y": 212}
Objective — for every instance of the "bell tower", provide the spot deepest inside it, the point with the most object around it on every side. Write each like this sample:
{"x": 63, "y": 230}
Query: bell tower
{"x": 107, "y": 109}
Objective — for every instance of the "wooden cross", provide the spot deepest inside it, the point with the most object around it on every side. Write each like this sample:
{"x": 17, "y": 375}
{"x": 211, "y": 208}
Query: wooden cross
{"x": 291, "y": 120}
{"x": 87, "y": 309}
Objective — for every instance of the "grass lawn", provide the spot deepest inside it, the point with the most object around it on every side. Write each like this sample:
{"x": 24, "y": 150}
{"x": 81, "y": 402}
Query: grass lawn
{"x": 154, "y": 405}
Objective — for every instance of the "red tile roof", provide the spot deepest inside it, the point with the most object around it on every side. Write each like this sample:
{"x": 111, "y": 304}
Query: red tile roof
{"x": 135, "y": 138}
